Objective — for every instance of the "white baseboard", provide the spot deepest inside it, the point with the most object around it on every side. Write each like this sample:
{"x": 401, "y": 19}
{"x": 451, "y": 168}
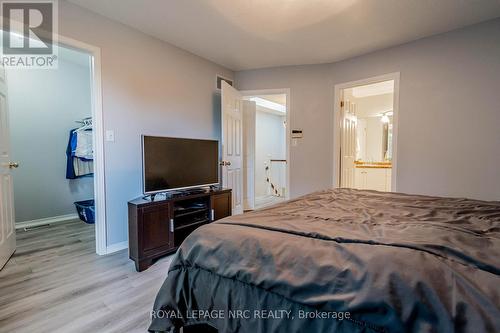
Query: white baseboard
{"x": 47, "y": 220}
{"x": 116, "y": 247}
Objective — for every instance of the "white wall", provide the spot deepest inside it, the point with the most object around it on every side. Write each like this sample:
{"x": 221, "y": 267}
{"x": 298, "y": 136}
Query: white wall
{"x": 43, "y": 107}
{"x": 361, "y": 139}
{"x": 449, "y": 112}
{"x": 269, "y": 144}
{"x": 372, "y": 105}
{"x": 149, "y": 87}
{"x": 374, "y": 138}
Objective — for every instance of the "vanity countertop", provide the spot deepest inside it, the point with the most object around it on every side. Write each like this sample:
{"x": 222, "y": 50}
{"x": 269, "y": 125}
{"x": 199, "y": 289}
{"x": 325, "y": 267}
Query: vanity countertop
{"x": 373, "y": 165}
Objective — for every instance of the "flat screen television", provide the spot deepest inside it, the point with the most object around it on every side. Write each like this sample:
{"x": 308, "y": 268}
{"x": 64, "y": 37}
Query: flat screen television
{"x": 178, "y": 163}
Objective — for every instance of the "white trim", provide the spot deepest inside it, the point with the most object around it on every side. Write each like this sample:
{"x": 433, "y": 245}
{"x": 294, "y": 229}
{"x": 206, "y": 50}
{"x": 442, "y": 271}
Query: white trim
{"x": 98, "y": 133}
{"x": 116, "y": 247}
{"x": 46, "y": 220}
{"x": 285, "y": 91}
{"x": 336, "y": 132}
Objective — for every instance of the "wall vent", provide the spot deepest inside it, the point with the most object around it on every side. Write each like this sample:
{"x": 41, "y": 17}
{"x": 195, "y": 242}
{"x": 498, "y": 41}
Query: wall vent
{"x": 219, "y": 79}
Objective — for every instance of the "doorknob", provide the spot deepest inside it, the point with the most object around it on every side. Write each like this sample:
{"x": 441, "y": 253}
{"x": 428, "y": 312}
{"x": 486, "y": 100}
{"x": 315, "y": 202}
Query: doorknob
{"x": 225, "y": 163}
{"x": 13, "y": 165}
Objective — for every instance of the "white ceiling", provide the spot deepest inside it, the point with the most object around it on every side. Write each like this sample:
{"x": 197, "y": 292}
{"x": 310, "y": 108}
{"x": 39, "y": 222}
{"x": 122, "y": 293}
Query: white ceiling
{"x": 279, "y": 101}
{"x": 277, "y": 98}
{"x": 244, "y": 34}
{"x": 373, "y": 89}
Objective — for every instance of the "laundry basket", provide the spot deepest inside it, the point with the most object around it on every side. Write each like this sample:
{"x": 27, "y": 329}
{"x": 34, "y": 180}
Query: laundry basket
{"x": 86, "y": 211}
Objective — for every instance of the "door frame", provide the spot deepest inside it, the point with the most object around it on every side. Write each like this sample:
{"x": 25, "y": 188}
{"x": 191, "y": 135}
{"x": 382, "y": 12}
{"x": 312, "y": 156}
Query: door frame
{"x": 285, "y": 91}
{"x": 98, "y": 138}
{"x": 336, "y": 125}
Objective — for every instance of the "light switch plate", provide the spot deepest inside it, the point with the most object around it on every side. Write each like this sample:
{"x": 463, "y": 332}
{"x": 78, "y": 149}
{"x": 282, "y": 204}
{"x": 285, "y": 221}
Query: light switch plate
{"x": 110, "y": 136}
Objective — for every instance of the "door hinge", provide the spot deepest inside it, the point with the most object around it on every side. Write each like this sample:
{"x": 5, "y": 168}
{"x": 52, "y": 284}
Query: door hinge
{"x": 341, "y": 104}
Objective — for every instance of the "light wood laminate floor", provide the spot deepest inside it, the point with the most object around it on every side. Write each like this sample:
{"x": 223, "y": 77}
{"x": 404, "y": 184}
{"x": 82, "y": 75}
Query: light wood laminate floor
{"x": 56, "y": 283}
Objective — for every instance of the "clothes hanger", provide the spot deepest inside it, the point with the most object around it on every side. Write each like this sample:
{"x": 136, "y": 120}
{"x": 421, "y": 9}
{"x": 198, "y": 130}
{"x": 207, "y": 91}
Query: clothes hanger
{"x": 87, "y": 124}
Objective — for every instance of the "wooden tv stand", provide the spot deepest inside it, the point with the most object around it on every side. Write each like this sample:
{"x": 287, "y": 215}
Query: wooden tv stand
{"x": 158, "y": 227}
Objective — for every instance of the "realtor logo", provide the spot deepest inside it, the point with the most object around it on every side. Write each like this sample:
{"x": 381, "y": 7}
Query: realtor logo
{"x": 28, "y": 33}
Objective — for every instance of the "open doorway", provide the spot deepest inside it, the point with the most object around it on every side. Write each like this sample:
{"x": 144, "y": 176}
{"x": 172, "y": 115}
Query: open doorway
{"x": 51, "y": 140}
{"x": 255, "y": 146}
{"x": 53, "y": 136}
{"x": 265, "y": 138}
{"x": 366, "y": 134}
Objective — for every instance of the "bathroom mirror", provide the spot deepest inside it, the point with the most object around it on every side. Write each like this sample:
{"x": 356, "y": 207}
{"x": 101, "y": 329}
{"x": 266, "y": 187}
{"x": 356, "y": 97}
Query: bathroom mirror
{"x": 374, "y": 138}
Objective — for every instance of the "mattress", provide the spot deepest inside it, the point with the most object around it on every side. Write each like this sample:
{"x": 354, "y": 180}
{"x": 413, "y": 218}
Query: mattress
{"x": 341, "y": 260}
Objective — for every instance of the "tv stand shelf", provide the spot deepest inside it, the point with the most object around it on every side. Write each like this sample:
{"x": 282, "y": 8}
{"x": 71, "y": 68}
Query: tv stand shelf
{"x": 190, "y": 212}
{"x": 157, "y": 226}
{"x": 194, "y": 223}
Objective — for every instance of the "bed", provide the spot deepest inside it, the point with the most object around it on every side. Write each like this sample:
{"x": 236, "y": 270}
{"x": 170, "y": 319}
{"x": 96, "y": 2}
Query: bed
{"x": 341, "y": 260}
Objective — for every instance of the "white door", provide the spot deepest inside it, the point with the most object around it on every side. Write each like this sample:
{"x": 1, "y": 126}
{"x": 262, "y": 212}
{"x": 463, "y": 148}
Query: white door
{"x": 232, "y": 144}
{"x": 249, "y": 136}
{"x": 347, "y": 144}
{"x": 7, "y": 228}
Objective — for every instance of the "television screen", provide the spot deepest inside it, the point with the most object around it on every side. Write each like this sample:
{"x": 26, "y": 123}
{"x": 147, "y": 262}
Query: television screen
{"x": 176, "y": 163}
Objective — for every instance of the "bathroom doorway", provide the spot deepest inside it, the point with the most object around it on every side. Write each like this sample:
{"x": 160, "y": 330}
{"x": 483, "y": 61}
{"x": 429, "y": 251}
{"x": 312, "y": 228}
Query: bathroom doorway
{"x": 366, "y": 133}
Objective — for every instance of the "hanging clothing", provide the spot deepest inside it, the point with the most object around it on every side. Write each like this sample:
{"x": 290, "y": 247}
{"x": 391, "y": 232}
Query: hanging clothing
{"x": 84, "y": 147}
{"x": 79, "y": 166}
{"x": 83, "y": 167}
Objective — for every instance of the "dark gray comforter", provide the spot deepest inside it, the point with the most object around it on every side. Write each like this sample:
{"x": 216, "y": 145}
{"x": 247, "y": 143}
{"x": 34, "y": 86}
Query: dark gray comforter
{"x": 353, "y": 261}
